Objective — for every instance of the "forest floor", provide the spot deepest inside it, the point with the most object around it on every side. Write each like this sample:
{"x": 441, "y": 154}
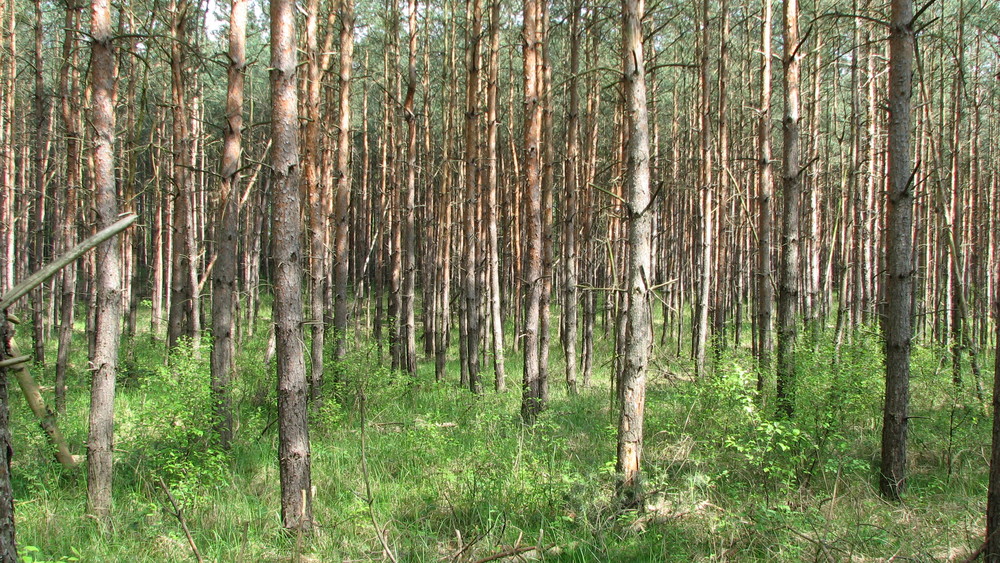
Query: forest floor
{"x": 443, "y": 475}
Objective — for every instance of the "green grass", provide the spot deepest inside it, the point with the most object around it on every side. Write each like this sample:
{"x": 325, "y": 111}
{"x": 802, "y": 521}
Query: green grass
{"x": 450, "y": 471}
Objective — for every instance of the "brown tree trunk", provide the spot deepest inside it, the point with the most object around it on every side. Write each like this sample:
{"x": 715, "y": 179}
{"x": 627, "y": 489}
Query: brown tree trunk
{"x": 569, "y": 307}
{"x": 181, "y": 310}
{"x": 531, "y": 399}
{"x": 492, "y": 155}
{"x": 992, "y": 552}
{"x": 470, "y": 275}
{"x": 788, "y": 286}
{"x": 227, "y": 228}
{"x": 8, "y": 544}
{"x": 293, "y": 389}
{"x": 407, "y": 316}
{"x": 343, "y": 196}
{"x": 707, "y": 203}
{"x": 69, "y": 91}
{"x": 109, "y": 305}
{"x": 311, "y": 155}
{"x": 897, "y": 324}
{"x": 640, "y": 331}
{"x": 765, "y": 282}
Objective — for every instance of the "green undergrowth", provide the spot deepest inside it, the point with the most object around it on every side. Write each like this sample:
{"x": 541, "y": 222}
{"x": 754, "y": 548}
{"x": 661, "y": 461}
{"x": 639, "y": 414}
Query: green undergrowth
{"x": 444, "y": 475}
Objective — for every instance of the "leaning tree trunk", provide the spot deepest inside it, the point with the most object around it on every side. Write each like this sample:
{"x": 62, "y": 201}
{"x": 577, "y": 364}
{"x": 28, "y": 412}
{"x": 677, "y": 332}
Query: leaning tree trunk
{"x": 293, "y": 389}
{"x": 788, "y": 286}
{"x": 640, "y": 331}
{"x": 227, "y": 228}
{"x": 109, "y": 303}
{"x": 897, "y": 324}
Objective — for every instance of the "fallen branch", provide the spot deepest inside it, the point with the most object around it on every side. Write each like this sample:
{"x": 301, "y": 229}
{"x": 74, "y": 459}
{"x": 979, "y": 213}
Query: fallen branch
{"x": 179, "y": 514}
{"x": 33, "y": 395}
{"x": 514, "y": 551}
{"x": 45, "y": 272}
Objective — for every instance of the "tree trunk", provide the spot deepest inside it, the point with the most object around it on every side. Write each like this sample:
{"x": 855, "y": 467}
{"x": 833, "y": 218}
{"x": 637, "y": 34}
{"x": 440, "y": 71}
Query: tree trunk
{"x": 8, "y": 544}
{"x": 227, "y": 228}
{"x": 765, "y": 283}
{"x": 69, "y": 91}
{"x": 897, "y": 325}
{"x": 311, "y": 155}
{"x": 109, "y": 305}
{"x": 470, "y": 275}
{"x": 492, "y": 154}
{"x": 181, "y": 292}
{"x": 531, "y": 399}
{"x": 569, "y": 308}
{"x": 343, "y": 197}
{"x": 639, "y": 336}
{"x": 788, "y": 286}
{"x": 293, "y": 423}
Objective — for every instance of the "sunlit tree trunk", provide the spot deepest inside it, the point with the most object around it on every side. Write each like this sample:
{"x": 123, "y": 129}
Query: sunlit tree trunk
{"x": 109, "y": 305}
{"x": 569, "y": 307}
{"x": 407, "y": 315}
{"x": 293, "y": 389}
{"x": 343, "y": 175}
{"x": 531, "y": 400}
{"x": 788, "y": 284}
{"x": 640, "y": 331}
{"x": 227, "y": 228}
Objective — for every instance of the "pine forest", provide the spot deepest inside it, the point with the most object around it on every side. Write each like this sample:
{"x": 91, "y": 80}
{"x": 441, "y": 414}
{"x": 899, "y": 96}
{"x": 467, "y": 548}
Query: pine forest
{"x": 484, "y": 280}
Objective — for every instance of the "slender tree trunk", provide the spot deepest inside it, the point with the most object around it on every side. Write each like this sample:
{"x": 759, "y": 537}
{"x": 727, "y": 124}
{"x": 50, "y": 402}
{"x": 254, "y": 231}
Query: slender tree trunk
{"x": 39, "y": 165}
{"x": 311, "y": 155}
{"x": 897, "y": 324}
{"x": 765, "y": 284}
{"x": 640, "y": 331}
{"x": 407, "y": 317}
{"x": 181, "y": 311}
{"x": 569, "y": 309}
{"x": 109, "y": 305}
{"x": 227, "y": 228}
{"x": 992, "y": 552}
{"x": 293, "y": 389}
{"x": 492, "y": 155}
{"x": 788, "y": 286}
{"x": 531, "y": 400}
{"x": 470, "y": 275}
{"x": 707, "y": 204}
{"x": 69, "y": 91}
{"x": 343, "y": 196}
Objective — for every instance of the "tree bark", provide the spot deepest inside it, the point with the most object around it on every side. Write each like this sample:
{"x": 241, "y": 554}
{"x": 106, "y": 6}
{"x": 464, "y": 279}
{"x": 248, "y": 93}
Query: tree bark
{"x": 293, "y": 423}
{"x": 492, "y": 210}
{"x": 470, "y": 274}
{"x": 788, "y": 286}
{"x": 897, "y": 324}
{"x": 765, "y": 283}
{"x": 343, "y": 197}
{"x": 639, "y": 336}
{"x": 181, "y": 310}
{"x": 531, "y": 399}
{"x": 109, "y": 304}
{"x": 69, "y": 91}
{"x": 227, "y": 228}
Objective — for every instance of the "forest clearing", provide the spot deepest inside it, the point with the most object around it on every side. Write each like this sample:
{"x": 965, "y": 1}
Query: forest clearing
{"x": 561, "y": 280}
